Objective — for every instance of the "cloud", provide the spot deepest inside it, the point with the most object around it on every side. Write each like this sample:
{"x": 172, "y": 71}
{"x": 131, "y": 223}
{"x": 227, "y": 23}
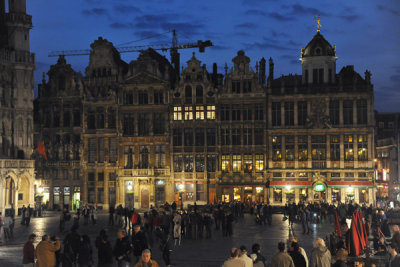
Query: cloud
{"x": 303, "y": 10}
{"x": 246, "y": 25}
{"x": 267, "y": 44}
{"x": 95, "y": 12}
{"x": 280, "y": 17}
{"x": 255, "y": 12}
{"x": 220, "y": 47}
{"x": 349, "y": 18}
{"x": 118, "y": 25}
{"x": 388, "y": 9}
{"x": 278, "y": 34}
{"x": 396, "y": 77}
{"x": 126, "y": 9}
{"x": 244, "y": 34}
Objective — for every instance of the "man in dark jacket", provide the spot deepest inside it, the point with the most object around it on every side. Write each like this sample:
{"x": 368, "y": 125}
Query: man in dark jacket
{"x": 139, "y": 242}
{"x": 122, "y": 249}
{"x": 29, "y": 251}
{"x": 71, "y": 247}
{"x": 104, "y": 250}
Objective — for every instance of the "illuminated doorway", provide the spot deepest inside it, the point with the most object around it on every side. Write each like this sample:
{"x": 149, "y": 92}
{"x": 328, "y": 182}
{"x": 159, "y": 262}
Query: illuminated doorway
{"x": 76, "y": 198}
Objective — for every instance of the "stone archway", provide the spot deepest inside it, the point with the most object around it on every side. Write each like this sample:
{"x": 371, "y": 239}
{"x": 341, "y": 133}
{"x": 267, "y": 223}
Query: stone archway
{"x": 10, "y": 192}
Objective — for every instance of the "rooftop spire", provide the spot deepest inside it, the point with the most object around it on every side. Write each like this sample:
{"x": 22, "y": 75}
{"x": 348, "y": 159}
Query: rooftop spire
{"x": 318, "y": 19}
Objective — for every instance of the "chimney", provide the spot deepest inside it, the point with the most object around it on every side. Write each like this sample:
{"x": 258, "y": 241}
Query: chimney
{"x": 262, "y": 71}
{"x": 214, "y": 77}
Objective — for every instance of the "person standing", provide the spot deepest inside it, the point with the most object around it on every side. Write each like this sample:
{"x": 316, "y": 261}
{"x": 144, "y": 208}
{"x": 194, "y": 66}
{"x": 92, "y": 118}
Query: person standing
{"x": 71, "y": 248}
{"x": 177, "y": 228}
{"x": 320, "y": 255}
{"x": 23, "y": 214}
{"x": 396, "y": 235}
{"x": 28, "y": 213}
{"x": 28, "y": 251}
{"x": 297, "y": 257}
{"x": 394, "y": 256}
{"x": 234, "y": 260}
{"x": 258, "y": 259}
{"x": 7, "y": 222}
{"x": 243, "y": 256}
{"x": 282, "y": 259}
{"x": 104, "y": 250}
{"x": 229, "y": 223}
{"x": 146, "y": 261}
{"x": 139, "y": 242}
{"x": 45, "y": 252}
{"x": 86, "y": 214}
{"x": 111, "y": 212}
{"x": 85, "y": 252}
{"x": 122, "y": 249}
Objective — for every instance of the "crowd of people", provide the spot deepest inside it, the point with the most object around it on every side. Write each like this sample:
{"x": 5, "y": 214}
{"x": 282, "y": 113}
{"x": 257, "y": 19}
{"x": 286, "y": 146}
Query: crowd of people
{"x": 139, "y": 234}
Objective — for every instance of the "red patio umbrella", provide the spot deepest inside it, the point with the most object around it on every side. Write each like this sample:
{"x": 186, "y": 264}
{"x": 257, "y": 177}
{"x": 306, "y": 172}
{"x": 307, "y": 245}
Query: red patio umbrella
{"x": 354, "y": 245}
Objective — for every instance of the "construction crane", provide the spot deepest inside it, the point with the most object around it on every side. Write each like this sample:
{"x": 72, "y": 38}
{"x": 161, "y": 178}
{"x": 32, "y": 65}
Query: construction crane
{"x": 175, "y": 56}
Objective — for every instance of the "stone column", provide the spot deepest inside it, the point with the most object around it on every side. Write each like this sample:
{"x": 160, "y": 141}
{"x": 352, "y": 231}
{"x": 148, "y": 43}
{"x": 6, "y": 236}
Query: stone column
{"x": 269, "y": 113}
{"x": 309, "y": 151}
{"x": 343, "y": 195}
{"x": 296, "y": 152}
{"x": 356, "y": 194}
{"x": 341, "y": 151}
{"x": 296, "y": 195}
{"x": 328, "y": 151}
{"x": 296, "y": 122}
{"x": 106, "y": 191}
{"x": 355, "y": 112}
{"x": 310, "y": 195}
{"x": 329, "y": 195}
{"x": 282, "y": 113}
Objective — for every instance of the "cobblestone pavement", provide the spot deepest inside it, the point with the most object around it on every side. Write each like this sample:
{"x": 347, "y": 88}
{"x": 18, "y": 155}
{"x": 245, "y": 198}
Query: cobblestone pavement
{"x": 204, "y": 252}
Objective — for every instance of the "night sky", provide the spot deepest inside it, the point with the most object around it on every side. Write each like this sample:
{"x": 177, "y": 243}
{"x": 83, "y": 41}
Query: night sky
{"x": 366, "y": 33}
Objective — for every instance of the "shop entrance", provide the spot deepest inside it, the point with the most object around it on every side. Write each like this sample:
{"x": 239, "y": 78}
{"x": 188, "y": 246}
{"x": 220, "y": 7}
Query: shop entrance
{"x": 145, "y": 198}
{"x": 160, "y": 193}
{"x": 319, "y": 192}
{"x": 76, "y": 198}
{"x": 129, "y": 194}
{"x": 248, "y": 194}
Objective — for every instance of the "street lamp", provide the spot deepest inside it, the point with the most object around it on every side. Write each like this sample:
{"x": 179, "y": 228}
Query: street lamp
{"x": 350, "y": 189}
{"x": 40, "y": 190}
{"x": 288, "y": 187}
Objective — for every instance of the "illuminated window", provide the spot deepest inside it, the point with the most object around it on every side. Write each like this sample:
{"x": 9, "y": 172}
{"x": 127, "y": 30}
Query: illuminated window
{"x": 177, "y": 113}
{"x": 210, "y": 112}
{"x": 189, "y": 113}
{"x": 237, "y": 163}
{"x": 289, "y": 151}
{"x": 248, "y": 163}
{"x": 348, "y": 148}
{"x": 362, "y": 145}
{"x": 225, "y": 163}
{"x": 276, "y": 148}
{"x": 302, "y": 144}
{"x": 335, "y": 147}
{"x": 278, "y": 195}
{"x": 318, "y": 147}
{"x": 199, "y": 113}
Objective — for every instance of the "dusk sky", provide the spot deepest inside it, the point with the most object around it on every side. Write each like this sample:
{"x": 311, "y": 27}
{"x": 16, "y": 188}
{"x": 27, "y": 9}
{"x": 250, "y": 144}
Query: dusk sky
{"x": 366, "y": 33}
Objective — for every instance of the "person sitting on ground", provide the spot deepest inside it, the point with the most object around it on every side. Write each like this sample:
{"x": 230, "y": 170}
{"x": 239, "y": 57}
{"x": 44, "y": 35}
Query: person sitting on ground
{"x": 145, "y": 260}
{"x": 320, "y": 255}
{"x": 258, "y": 259}
{"x": 234, "y": 260}
{"x": 297, "y": 257}
{"x": 341, "y": 258}
{"x": 243, "y": 256}
{"x": 282, "y": 259}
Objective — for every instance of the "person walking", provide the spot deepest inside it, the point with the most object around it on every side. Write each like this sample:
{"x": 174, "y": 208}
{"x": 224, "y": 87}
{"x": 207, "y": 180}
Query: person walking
{"x": 28, "y": 214}
{"x": 45, "y": 252}
{"x": 320, "y": 255}
{"x": 85, "y": 252}
{"x": 122, "y": 249}
{"x": 104, "y": 250}
{"x": 93, "y": 215}
{"x": 28, "y": 251}
{"x": 234, "y": 260}
{"x": 139, "y": 242}
{"x": 85, "y": 213}
{"x": 71, "y": 248}
{"x": 282, "y": 259}
{"x": 146, "y": 261}
{"x": 243, "y": 256}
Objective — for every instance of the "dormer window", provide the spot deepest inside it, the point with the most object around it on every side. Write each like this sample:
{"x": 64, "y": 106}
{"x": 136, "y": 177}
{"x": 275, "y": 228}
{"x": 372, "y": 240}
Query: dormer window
{"x": 318, "y": 51}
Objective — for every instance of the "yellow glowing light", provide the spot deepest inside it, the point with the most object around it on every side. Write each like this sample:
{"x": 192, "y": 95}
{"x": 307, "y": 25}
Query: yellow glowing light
{"x": 350, "y": 189}
{"x": 288, "y": 187}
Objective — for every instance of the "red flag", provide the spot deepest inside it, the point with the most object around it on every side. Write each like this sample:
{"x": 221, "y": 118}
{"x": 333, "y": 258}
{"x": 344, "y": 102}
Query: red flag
{"x": 42, "y": 150}
{"x": 354, "y": 245}
{"x": 360, "y": 230}
{"x": 337, "y": 225}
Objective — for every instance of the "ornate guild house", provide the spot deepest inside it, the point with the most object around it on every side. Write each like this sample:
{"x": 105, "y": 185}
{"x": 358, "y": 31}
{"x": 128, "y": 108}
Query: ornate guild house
{"x": 141, "y": 133}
